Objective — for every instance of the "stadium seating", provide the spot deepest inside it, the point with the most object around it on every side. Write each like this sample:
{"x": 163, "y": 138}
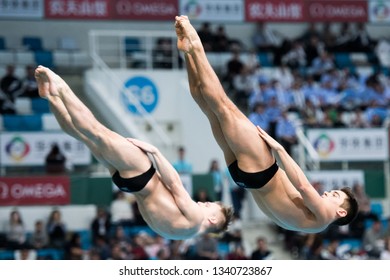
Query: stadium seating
{"x": 40, "y": 106}
{"x": 44, "y": 58}
{"x": 32, "y": 43}
{"x": 2, "y": 44}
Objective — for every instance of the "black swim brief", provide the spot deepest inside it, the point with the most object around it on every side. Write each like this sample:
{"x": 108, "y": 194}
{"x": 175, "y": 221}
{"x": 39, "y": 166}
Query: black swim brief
{"x": 133, "y": 184}
{"x": 254, "y": 180}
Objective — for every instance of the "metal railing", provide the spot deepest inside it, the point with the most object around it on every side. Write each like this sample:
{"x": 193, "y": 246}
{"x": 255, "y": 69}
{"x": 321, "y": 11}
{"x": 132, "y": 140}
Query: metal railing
{"x": 115, "y": 49}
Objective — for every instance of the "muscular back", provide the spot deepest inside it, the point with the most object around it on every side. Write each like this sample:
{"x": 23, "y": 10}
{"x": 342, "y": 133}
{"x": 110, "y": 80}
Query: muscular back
{"x": 160, "y": 211}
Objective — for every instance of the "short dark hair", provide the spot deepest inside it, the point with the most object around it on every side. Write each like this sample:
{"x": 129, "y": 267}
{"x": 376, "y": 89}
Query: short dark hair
{"x": 351, "y": 205}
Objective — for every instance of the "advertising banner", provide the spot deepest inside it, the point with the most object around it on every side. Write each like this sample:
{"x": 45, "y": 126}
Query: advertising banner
{"x": 44, "y": 190}
{"x": 213, "y": 10}
{"x": 336, "y": 179}
{"x": 30, "y": 149}
{"x": 145, "y": 9}
{"x": 77, "y": 9}
{"x": 379, "y": 11}
{"x": 277, "y": 11}
{"x": 368, "y": 144}
{"x": 335, "y": 10}
{"x": 32, "y": 9}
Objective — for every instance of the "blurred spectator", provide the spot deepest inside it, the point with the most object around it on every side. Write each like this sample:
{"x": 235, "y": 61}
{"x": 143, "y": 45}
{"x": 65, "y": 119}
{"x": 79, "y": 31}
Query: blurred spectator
{"x": 312, "y": 30}
{"x": 182, "y": 165}
{"x": 284, "y": 76}
{"x": 121, "y": 210}
{"x": 220, "y": 41}
{"x": 372, "y": 239}
{"x": 242, "y": 88}
{"x": 100, "y": 250}
{"x": 207, "y": 247}
{"x": 286, "y": 133}
{"x": 101, "y": 225}
{"x": 385, "y": 253}
{"x": 358, "y": 226}
{"x": 156, "y": 245}
{"x": 238, "y": 253}
{"x": 237, "y": 194}
{"x": 321, "y": 64}
{"x": 9, "y": 89}
{"x": 29, "y": 83}
{"x": 55, "y": 161}
{"x": 138, "y": 248}
{"x": 25, "y": 254}
{"x": 295, "y": 58}
{"x": 329, "y": 252}
{"x": 233, "y": 68}
{"x": 165, "y": 55}
{"x": 358, "y": 119}
{"x": 216, "y": 172}
{"x": 73, "y": 249}
{"x": 206, "y": 36}
{"x": 39, "y": 238}
{"x": 363, "y": 41}
{"x": 311, "y": 115}
{"x": 274, "y": 112}
{"x": 314, "y": 47}
{"x": 382, "y": 51}
{"x": 328, "y": 36}
{"x": 261, "y": 252}
{"x": 312, "y": 247}
{"x": 56, "y": 230}
{"x": 266, "y": 39}
{"x": 202, "y": 196}
{"x": 120, "y": 237}
{"x": 345, "y": 38}
{"x": 15, "y": 231}
{"x": 118, "y": 253}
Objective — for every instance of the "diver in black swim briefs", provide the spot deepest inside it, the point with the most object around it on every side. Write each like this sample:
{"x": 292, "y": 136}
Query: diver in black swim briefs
{"x": 164, "y": 203}
{"x": 284, "y": 195}
{"x": 253, "y": 180}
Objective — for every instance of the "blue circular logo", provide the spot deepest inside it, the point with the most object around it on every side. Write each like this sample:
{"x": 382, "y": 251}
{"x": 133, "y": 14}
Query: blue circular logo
{"x": 141, "y": 89}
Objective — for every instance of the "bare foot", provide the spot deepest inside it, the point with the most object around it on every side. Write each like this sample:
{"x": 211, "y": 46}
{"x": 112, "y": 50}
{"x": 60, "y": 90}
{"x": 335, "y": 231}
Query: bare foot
{"x": 187, "y": 37}
{"x": 49, "y": 83}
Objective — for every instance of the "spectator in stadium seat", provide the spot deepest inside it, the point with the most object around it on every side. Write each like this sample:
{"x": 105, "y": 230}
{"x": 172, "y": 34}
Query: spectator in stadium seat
{"x": 39, "y": 238}
{"x": 29, "y": 84}
{"x": 15, "y": 231}
{"x": 55, "y": 161}
{"x": 182, "y": 165}
{"x": 238, "y": 253}
{"x": 372, "y": 239}
{"x": 101, "y": 225}
{"x": 220, "y": 41}
{"x": 261, "y": 252}
{"x": 206, "y": 247}
{"x": 121, "y": 210}
{"x": 10, "y": 86}
{"x": 286, "y": 133}
{"x": 56, "y": 230}
{"x": 73, "y": 249}
{"x": 207, "y": 36}
{"x": 161, "y": 197}
{"x": 365, "y": 215}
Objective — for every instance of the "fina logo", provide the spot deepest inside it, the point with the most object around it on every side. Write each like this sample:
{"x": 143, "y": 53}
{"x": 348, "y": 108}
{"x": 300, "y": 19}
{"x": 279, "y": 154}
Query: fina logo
{"x": 140, "y": 90}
